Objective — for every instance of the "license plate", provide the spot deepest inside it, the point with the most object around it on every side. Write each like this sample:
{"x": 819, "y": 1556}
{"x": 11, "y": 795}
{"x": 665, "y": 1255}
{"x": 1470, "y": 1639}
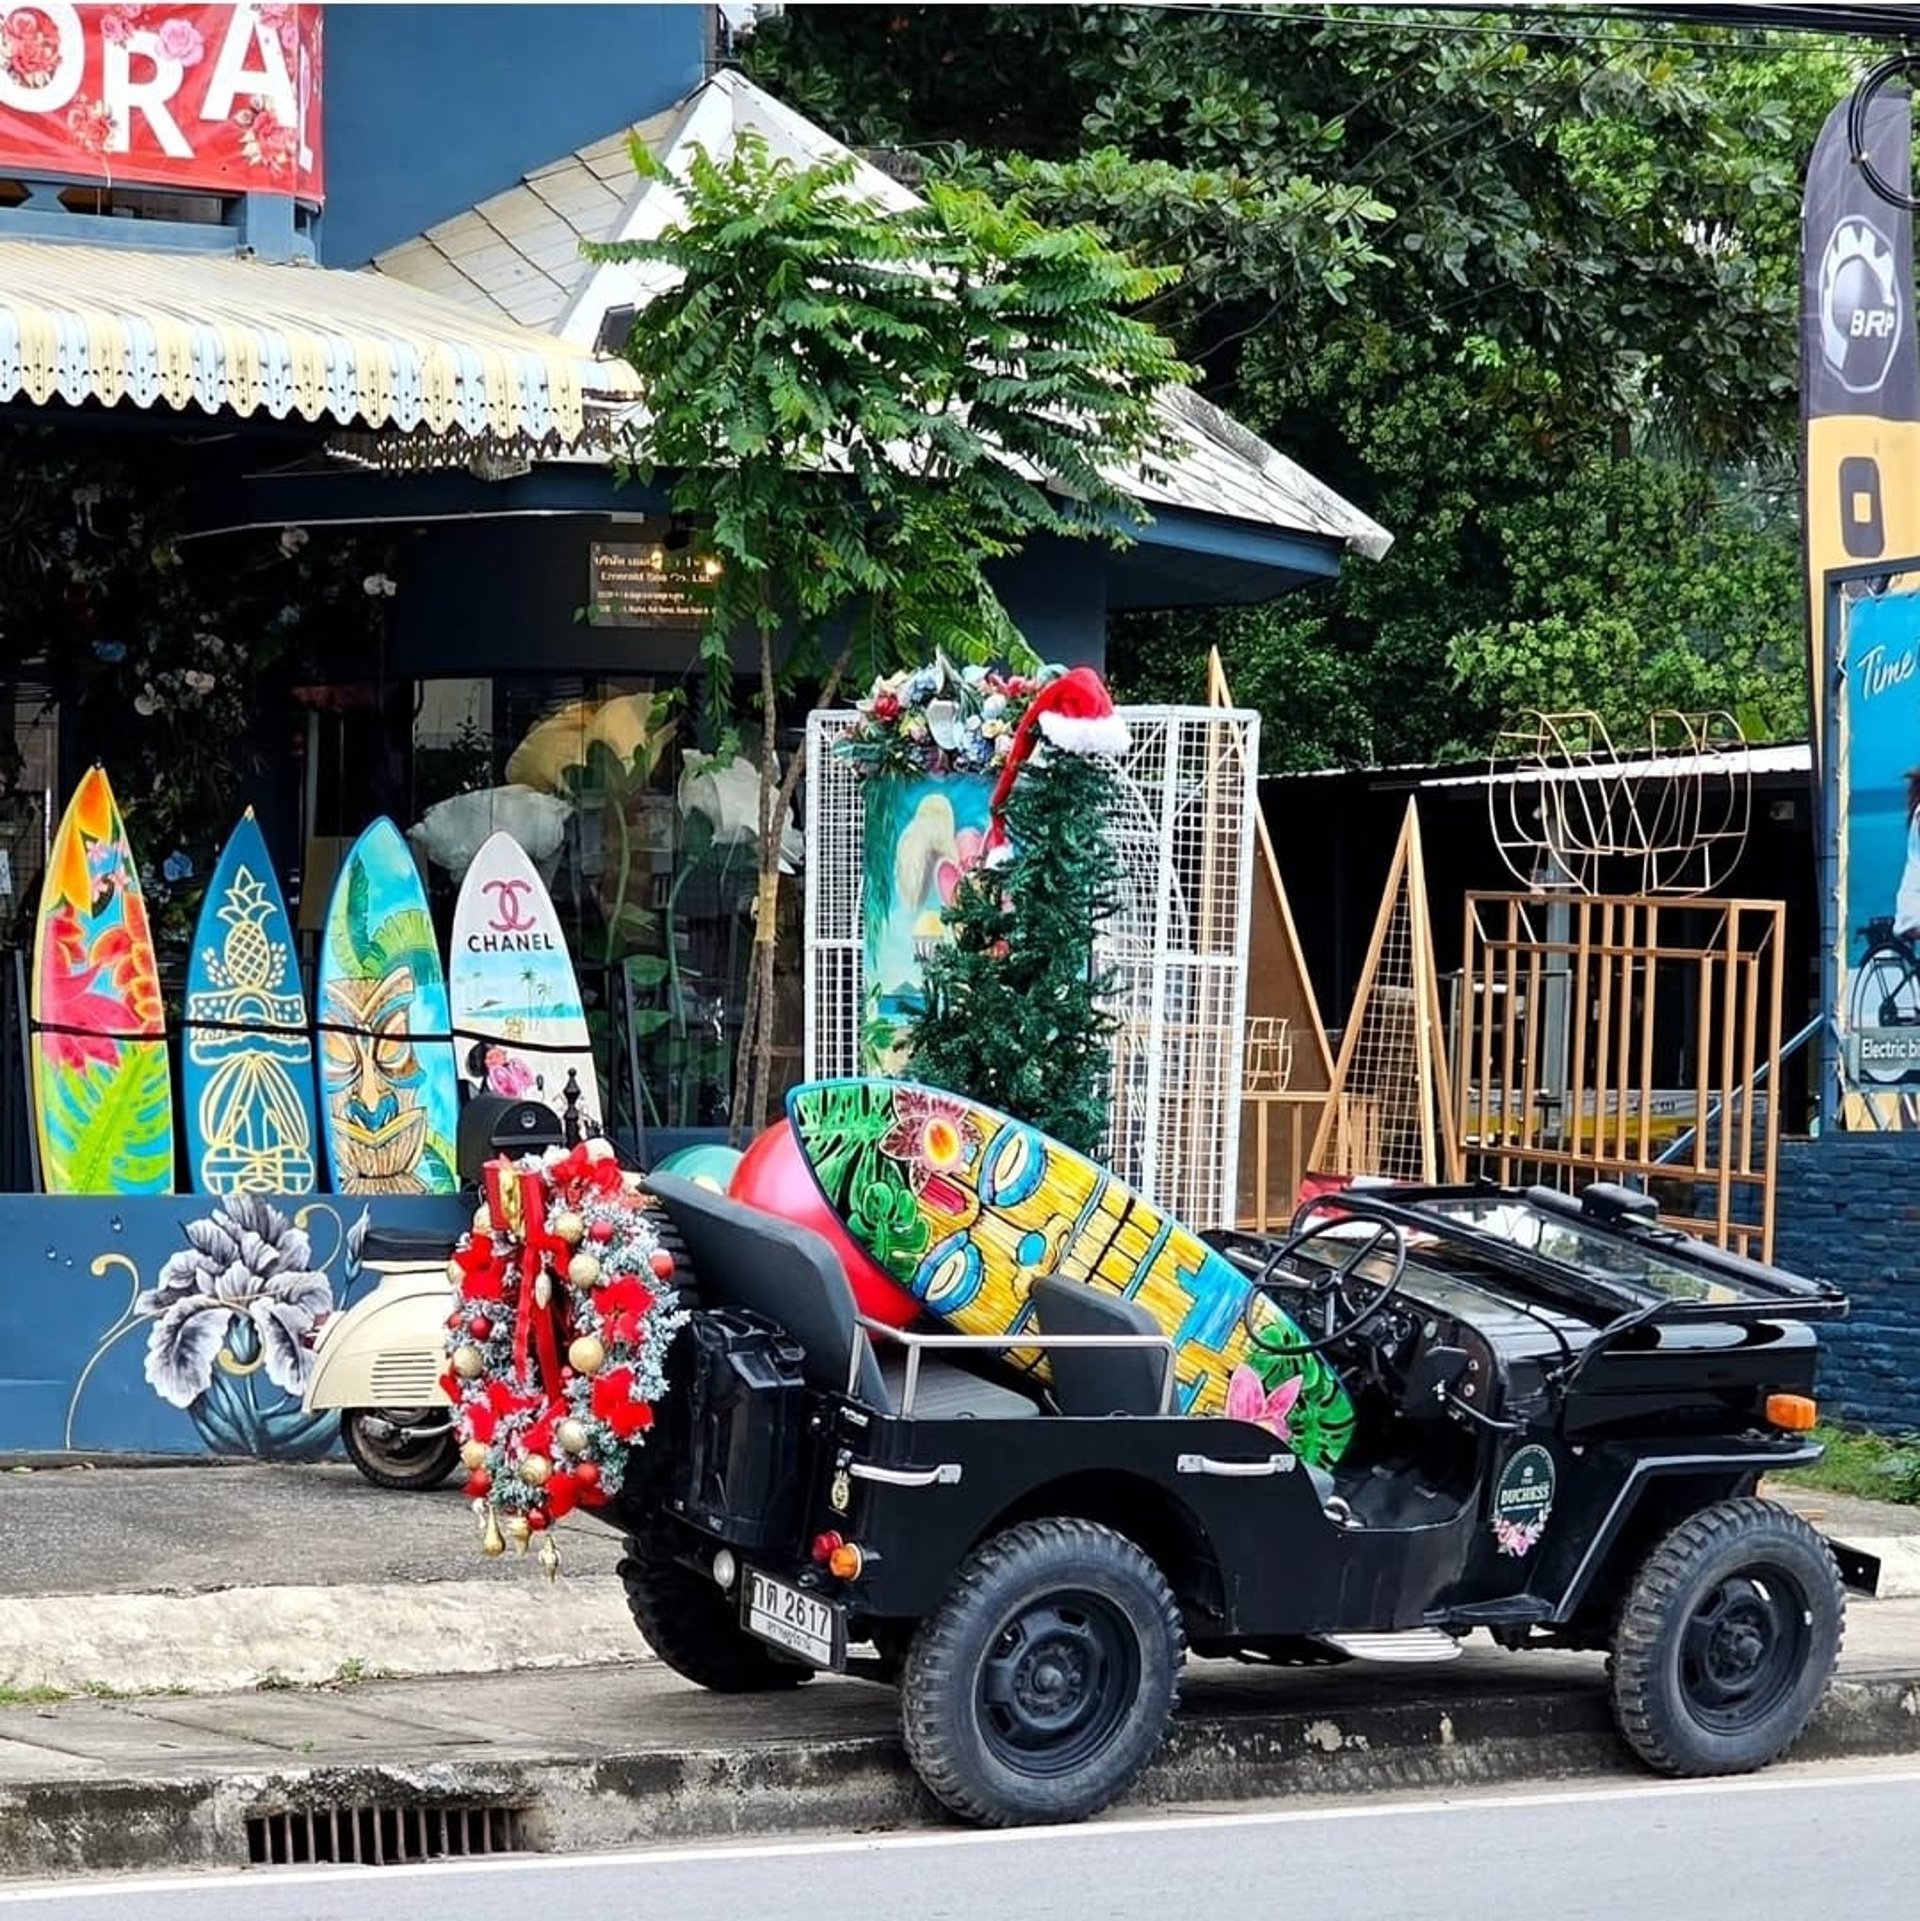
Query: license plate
{"x": 791, "y": 1618}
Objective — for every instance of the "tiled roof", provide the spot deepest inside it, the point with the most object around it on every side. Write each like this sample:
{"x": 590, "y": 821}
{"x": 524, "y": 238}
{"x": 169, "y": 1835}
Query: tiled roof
{"x": 518, "y": 255}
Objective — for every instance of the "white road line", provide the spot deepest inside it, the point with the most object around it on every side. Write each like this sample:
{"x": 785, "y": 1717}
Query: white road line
{"x": 626, "y": 1861}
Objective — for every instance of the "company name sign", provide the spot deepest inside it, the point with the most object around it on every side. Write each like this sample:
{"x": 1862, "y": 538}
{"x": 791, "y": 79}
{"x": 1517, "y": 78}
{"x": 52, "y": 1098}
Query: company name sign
{"x": 218, "y": 99}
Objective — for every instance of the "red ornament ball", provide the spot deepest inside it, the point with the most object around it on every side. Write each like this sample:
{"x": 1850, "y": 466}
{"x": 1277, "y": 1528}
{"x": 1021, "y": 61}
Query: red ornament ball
{"x": 773, "y": 1176}
{"x": 587, "y": 1474}
{"x": 662, "y": 1264}
{"x": 480, "y": 1327}
{"x": 536, "y": 1519}
{"x": 601, "y": 1231}
{"x": 479, "y": 1483}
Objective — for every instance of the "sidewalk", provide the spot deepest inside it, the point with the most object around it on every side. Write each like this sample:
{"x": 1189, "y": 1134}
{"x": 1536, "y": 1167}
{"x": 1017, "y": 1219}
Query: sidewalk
{"x": 207, "y": 1578}
{"x": 540, "y": 1699}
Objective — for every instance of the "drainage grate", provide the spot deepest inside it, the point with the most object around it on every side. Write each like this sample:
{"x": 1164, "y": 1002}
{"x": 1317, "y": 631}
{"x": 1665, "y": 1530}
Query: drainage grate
{"x": 380, "y": 1835}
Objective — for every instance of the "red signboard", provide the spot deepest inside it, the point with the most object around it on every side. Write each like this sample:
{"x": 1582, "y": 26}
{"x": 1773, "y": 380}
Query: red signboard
{"x": 219, "y": 99}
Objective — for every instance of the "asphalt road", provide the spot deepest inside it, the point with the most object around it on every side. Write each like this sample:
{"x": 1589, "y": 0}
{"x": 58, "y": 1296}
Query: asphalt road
{"x": 1832, "y": 1841}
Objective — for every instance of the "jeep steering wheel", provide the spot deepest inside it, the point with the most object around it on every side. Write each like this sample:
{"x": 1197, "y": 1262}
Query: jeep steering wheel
{"x": 1327, "y": 1289}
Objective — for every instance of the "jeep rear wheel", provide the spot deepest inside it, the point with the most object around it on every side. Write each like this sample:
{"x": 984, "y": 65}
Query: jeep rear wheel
{"x": 1727, "y": 1640}
{"x": 691, "y": 1623}
{"x": 1043, "y": 1683}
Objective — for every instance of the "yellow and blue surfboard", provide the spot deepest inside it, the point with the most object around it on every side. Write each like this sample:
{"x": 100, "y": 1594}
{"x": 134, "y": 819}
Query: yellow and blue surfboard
{"x": 964, "y": 1207}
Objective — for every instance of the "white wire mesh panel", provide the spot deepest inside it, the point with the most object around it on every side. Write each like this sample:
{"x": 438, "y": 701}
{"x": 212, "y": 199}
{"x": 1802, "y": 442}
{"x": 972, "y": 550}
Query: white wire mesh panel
{"x": 1175, "y": 948}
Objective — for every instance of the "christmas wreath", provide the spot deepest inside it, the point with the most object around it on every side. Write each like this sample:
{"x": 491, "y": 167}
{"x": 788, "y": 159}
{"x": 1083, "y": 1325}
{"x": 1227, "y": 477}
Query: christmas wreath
{"x": 939, "y": 720}
{"x": 557, "y": 1344}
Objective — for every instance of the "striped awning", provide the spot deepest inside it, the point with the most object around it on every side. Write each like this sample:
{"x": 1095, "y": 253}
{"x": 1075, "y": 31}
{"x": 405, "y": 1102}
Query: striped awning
{"x": 221, "y": 335}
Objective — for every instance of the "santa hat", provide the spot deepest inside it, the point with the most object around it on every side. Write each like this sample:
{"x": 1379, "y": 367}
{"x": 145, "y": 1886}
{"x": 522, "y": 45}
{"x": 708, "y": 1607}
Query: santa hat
{"x": 1074, "y": 714}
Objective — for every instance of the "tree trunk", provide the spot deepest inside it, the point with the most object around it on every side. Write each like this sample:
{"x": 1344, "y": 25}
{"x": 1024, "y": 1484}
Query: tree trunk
{"x": 754, "y": 1069}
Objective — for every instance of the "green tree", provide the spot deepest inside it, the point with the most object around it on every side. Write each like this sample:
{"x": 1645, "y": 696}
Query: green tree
{"x": 1522, "y": 285}
{"x": 862, "y": 409}
{"x": 1011, "y": 1013}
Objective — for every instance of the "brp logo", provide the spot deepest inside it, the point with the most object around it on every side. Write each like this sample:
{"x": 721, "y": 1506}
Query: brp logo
{"x": 1859, "y": 305}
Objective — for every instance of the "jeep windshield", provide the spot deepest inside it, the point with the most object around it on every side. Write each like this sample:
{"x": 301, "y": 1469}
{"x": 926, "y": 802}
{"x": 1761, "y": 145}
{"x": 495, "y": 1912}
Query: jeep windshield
{"x": 1632, "y": 1264}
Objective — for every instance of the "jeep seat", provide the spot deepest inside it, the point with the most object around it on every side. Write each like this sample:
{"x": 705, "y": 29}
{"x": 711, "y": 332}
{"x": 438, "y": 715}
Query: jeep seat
{"x": 742, "y": 1257}
{"x": 1098, "y": 1381}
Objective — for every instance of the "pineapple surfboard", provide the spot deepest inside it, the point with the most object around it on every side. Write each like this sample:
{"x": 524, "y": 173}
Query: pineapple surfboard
{"x": 247, "y": 1071}
{"x": 103, "y": 1090}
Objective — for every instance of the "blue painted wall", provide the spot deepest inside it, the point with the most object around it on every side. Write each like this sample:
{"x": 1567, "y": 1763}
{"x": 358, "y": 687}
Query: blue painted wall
{"x": 75, "y": 1330}
{"x": 429, "y": 109}
{"x": 1848, "y": 1210}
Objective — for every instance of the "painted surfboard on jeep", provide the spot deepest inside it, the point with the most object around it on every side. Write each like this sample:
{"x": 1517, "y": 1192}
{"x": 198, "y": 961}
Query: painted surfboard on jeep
{"x": 964, "y": 1206}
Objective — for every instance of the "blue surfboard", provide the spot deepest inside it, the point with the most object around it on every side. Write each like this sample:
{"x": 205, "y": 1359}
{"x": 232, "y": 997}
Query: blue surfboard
{"x": 251, "y": 1123}
{"x": 389, "y": 1093}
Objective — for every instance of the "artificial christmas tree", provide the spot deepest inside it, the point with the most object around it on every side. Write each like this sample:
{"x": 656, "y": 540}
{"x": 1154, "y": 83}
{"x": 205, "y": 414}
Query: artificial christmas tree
{"x": 1012, "y": 1013}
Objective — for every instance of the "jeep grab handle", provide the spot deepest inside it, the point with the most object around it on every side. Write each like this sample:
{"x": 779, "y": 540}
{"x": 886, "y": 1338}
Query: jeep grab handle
{"x": 1239, "y": 1470}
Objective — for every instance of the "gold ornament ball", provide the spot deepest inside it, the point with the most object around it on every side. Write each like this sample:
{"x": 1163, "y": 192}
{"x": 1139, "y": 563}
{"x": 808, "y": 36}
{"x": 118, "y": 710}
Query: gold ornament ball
{"x": 473, "y": 1456}
{"x": 572, "y": 1437}
{"x": 587, "y": 1355}
{"x": 583, "y": 1271}
{"x": 456, "y": 1274}
{"x": 535, "y": 1469}
{"x": 483, "y": 1219}
{"x": 571, "y": 1228}
{"x": 469, "y": 1363}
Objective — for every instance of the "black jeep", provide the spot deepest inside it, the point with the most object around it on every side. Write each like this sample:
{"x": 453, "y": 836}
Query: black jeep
{"x": 1563, "y": 1412}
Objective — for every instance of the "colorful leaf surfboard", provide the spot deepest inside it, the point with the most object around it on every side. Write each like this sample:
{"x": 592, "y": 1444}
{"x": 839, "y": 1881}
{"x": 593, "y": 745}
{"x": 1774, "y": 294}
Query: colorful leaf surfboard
{"x": 519, "y": 1027}
{"x": 247, "y": 1073}
{"x": 389, "y": 1096}
{"x": 963, "y": 1206}
{"x": 103, "y": 1092}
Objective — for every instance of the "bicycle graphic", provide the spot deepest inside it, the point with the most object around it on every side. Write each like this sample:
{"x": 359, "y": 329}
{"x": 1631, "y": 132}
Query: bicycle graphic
{"x": 1884, "y": 998}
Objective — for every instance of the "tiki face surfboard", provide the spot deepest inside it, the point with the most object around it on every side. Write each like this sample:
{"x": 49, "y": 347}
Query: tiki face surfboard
{"x": 247, "y": 1072}
{"x": 964, "y": 1207}
{"x": 389, "y": 1097}
{"x": 103, "y": 1092}
{"x": 518, "y": 1025}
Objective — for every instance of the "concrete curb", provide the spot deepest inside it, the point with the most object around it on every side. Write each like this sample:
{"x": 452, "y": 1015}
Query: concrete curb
{"x": 235, "y": 1638}
{"x": 199, "y": 1820}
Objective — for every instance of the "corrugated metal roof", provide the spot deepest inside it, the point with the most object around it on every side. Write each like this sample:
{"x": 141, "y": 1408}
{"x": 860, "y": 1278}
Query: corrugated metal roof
{"x": 518, "y": 255}
{"x": 219, "y": 334}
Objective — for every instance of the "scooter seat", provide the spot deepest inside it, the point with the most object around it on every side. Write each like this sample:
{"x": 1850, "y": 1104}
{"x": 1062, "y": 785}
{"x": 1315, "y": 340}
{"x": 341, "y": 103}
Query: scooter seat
{"x": 405, "y": 1244}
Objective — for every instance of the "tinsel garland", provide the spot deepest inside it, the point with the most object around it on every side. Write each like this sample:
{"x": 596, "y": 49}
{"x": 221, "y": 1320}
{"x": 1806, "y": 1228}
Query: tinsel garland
{"x": 557, "y": 1344}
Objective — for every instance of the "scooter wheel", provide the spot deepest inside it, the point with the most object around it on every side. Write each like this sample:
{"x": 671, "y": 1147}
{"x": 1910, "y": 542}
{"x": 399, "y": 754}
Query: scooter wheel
{"x": 379, "y": 1444}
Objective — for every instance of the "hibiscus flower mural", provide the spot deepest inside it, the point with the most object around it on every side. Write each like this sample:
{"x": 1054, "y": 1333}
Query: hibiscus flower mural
{"x": 230, "y": 1323}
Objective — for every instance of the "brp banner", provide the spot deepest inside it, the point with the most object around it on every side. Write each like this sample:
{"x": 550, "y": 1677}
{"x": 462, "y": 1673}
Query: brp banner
{"x": 1874, "y": 802}
{"x": 221, "y": 99}
{"x": 1859, "y": 371}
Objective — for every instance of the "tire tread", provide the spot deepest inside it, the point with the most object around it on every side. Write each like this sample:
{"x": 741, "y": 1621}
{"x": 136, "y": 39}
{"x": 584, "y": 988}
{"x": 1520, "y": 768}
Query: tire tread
{"x": 930, "y": 1677}
{"x": 1634, "y": 1666}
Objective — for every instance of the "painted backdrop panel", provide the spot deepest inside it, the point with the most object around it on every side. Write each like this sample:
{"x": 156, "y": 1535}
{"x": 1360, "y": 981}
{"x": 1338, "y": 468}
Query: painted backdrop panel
{"x": 921, "y": 834}
{"x": 179, "y": 1324}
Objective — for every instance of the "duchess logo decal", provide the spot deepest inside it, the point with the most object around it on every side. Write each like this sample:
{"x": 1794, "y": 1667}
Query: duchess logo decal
{"x": 1522, "y": 1501}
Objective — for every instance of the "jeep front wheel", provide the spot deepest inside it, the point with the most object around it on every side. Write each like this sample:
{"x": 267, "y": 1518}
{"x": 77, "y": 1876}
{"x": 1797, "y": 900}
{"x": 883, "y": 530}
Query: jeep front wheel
{"x": 1043, "y": 1683}
{"x": 1727, "y": 1640}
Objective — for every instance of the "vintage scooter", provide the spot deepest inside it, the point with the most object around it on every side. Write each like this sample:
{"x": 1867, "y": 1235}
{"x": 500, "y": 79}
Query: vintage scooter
{"x": 380, "y": 1362}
